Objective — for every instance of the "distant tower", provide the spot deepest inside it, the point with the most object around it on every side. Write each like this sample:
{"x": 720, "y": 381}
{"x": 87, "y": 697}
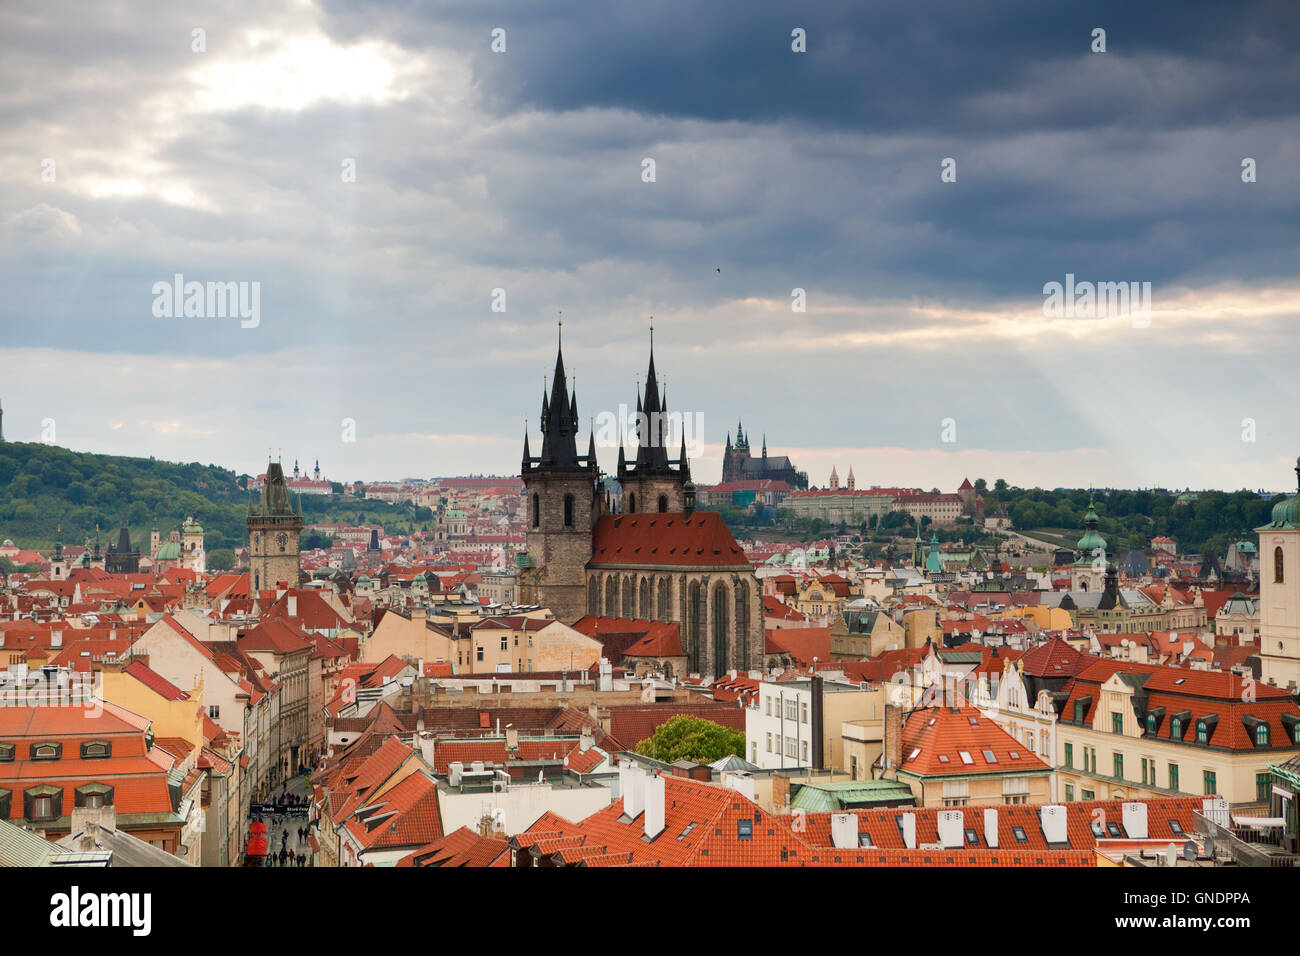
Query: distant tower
{"x": 316, "y": 471}
{"x": 1088, "y": 573}
{"x": 273, "y": 530}
{"x": 835, "y": 479}
{"x": 1279, "y": 595}
{"x": 121, "y": 559}
{"x": 295, "y": 469}
{"x": 852, "y": 483}
{"x": 193, "y": 555}
{"x": 561, "y": 492}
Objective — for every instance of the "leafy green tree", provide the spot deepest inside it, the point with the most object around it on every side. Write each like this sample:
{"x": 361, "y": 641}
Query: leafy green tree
{"x": 692, "y": 738}
{"x": 223, "y": 559}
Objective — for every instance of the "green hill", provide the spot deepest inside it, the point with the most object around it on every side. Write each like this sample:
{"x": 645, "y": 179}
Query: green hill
{"x": 50, "y": 494}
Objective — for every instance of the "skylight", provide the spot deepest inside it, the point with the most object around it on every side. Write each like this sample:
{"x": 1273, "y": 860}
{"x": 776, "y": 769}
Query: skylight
{"x": 965, "y": 757}
{"x": 914, "y": 754}
{"x": 990, "y": 756}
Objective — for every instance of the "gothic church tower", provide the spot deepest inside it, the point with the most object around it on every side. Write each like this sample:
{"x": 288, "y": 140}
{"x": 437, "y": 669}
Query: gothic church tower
{"x": 561, "y": 489}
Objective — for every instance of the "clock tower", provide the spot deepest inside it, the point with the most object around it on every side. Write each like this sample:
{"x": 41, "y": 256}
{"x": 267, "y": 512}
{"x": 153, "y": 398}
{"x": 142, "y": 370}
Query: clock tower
{"x": 273, "y": 529}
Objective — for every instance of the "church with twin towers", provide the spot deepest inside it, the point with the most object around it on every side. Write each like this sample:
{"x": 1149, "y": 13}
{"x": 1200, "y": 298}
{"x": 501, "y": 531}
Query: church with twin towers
{"x": 656, "y": 558}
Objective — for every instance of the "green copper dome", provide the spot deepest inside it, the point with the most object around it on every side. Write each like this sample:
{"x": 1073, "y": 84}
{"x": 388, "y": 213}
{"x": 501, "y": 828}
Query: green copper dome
{"x": 1286, "y": 513}
{"x": 169, "y": 551}
{"x": 1091, "y": 542}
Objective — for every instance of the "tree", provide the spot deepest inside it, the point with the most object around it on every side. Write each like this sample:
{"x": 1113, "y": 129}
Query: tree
{"x": 223, "y": 559}
{"x": 692, "y": 738}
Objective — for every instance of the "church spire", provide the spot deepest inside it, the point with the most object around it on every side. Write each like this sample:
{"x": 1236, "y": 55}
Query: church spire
{"x": 559, "y": 422}
{"x": 651, "y": 453}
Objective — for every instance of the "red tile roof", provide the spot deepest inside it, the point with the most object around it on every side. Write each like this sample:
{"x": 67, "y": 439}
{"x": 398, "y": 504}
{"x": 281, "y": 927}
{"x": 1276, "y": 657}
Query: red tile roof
{"x": 665, "y": 540}
{"x": 951, "y": 741}
{"x": 155, "y": 682}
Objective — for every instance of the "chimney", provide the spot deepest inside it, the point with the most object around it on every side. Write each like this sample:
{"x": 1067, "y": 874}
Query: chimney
{"x": 293, "y": 605}
{"x": 817, "y": 718}
{"x": 844, "y": 831}
{"x": 633, "y": 784}
{"x": 56, "y": 637}
{"x": 654, "y": 806}
{"x": 909, "y": 830}
{"x": 1135, "y": 820}
{"x": 1054, "y": 825}
{"x": 991, "y": 827}
{"x": 950, "y": 829}
{"x": 893, "y": 733}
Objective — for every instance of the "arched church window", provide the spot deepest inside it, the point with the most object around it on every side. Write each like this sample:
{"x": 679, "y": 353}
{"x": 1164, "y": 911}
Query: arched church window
{"x": 568, "y": 511}
{"x": 631, "y": 503}
{"x": 536, "y": 510}
{"x": 1277, "y": 566}
{"x": 663, "y": 503}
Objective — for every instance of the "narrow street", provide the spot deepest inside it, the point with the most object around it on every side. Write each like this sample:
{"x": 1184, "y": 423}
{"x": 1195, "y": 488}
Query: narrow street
{"x": 282, "y": 830}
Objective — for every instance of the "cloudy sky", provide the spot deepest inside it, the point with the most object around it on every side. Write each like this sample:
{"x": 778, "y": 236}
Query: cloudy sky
{"x": 133, "y": 149}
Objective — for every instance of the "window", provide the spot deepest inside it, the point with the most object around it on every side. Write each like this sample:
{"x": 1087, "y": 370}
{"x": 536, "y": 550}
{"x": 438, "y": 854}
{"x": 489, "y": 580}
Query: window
{"x": 769, "y": 706}
{"x": 214, "y": 711}
{"x": 536, "y": 511}
{"x": 1211, "y": 783}
{"x": 96, "y": 749}
{"x": 568, "y": 511}
{"x": 1088, "y": 795}
{"x": 1116, "y": 723}
{"x": 47, "y": 751}
{"x": 1176, "y": 728}
{"x": 663, "y": 504}
{"x": 43, "y": 803}
{"x": 1261, "y": 787}
{"x": 965, "y": 757}
{"x": 803, "y": 712}
{"x": 631, "y": 504}
{"x": 990, "y": 756}
{"x": 479, "y": 654}
{"x": 1015, "y": 798}
{"x": 789, "y": 746}
{"x": 6, "y": 753}
{"x": 1019, "y": 834}
{"x": 1151, "y": 723}
{"x": 804, "y": 754}
{"x": 769, "y": 742}
{"x": 1201, "y": 736}
{"x": 744, "y": 829}
{"x": 1119, "y": 766}
{"x": 1069, "y": 792}
{"x": 1069, "y": 756}
{"x": 1175, "y": 828}
{"x": 94, "y": 796}
{"x": 1261, "y": 735}
{"x": 1277, "y": 566}
{"x": 1173, "y": 776}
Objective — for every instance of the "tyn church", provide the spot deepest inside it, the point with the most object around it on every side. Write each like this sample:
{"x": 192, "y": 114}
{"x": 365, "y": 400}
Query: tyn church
{"x": 658, "y": 559}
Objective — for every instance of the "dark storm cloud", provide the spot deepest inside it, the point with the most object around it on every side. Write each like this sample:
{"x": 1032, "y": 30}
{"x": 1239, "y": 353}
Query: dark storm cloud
{"x": 887, "y": 66}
